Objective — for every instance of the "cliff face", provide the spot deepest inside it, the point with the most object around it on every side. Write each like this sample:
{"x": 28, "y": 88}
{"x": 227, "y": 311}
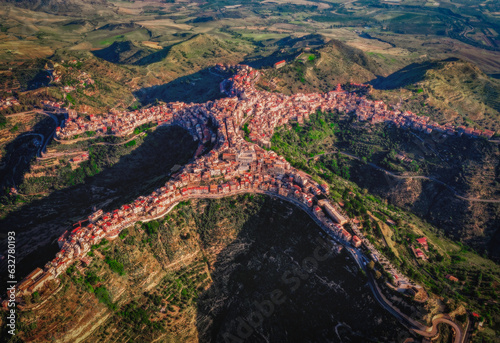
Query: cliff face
{"x": 211, "y": 270}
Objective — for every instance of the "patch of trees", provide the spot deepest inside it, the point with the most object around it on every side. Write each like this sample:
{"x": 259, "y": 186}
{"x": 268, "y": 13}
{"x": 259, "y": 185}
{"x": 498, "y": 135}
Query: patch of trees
{"x": 151, "y": 228}
{"x": 144, "y": 127}
{"x": 103, "y": 296}
{"x": 207, "y": 221}
{"x": 115, "y": 266}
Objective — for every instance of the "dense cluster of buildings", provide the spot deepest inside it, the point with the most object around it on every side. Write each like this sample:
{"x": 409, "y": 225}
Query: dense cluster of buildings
{"x": 239, "y": 168}
{"x": 121, "y": 124}
{"x": 264, "y": 110}
{"x": 378, "y": 112}
{"x": 233, "y": 166}
{"x": 52, "y": 105}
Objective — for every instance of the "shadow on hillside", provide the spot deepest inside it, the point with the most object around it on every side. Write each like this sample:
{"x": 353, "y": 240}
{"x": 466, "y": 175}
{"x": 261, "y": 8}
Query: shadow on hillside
{"x": 427, "y": 199}
{"x": 307, "y": 41}
{"x": 288, "y": 48}
{"x": 138, "y": 173}
{"x": 198, "y": 87}
{"x": 154, "y": 57}
{"x": 259, "y": 62}
{"x": 410, "y": 74}
{"x": 126, "y": 52}
{"x": 263, "y": 264}
{"x": 436, "y": 203}
{"x": 20, "y": 152}
{"x": 41, "y": 79}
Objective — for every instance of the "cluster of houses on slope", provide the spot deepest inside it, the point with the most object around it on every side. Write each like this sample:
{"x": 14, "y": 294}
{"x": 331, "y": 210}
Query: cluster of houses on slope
{"x": 55, "y": 106}
{"x": 233, "y": 166}
{"x": 266, "y": 111}
{"x": 237, "y": 169}
{"x": 84, "y": 79}
{"x": 8, "y": 102}
{"x": 378, "y": 112}
{"x": 192, "y": 117}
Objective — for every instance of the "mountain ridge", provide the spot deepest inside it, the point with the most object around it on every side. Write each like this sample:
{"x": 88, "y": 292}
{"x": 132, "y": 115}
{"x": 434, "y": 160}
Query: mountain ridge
{"x": 457, "y": 89}
{"x": 62, "y": 7}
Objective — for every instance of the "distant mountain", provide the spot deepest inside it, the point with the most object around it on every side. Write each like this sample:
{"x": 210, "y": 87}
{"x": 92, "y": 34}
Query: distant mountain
{"x": 119, "y": 26}
{"x": 333, "y": 62}
{"x": 204, "y": 50}
{"x": 456, "y": 87}
{"x": 195, "y": 53}
{"x": 73, "y": 7}
{"x": 125, "y": 52}
{"x": 289, "y": 48}
{"x": 186, "y": 65}
{"x": 192, "y": 55}
{"x": 312, "y": 40}
{"x": 348, "y": 62}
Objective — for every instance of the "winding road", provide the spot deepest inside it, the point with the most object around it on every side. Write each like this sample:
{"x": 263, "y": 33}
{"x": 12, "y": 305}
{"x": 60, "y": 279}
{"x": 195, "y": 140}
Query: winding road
{"x": 121, "y": 143}
{"x": 419, "y": 328}
{"x": 41, "y": 148}
{"x": 358, "y": 256}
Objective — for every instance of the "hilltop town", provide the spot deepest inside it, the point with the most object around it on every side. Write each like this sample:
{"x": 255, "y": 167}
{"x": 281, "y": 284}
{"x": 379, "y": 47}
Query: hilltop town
{"x": 233, "y": 166}
{"x": 265, "y": 111}
{"x": 160, "y": 158}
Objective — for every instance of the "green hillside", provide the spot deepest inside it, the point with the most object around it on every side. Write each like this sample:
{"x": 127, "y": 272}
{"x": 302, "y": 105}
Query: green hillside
{"x": 449, "y": 90}
{"x": 125, "y": 52}
{"x": 202, "y": 51}
{"x": 322, "y": 68}
{"x": 63, "y": 6}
